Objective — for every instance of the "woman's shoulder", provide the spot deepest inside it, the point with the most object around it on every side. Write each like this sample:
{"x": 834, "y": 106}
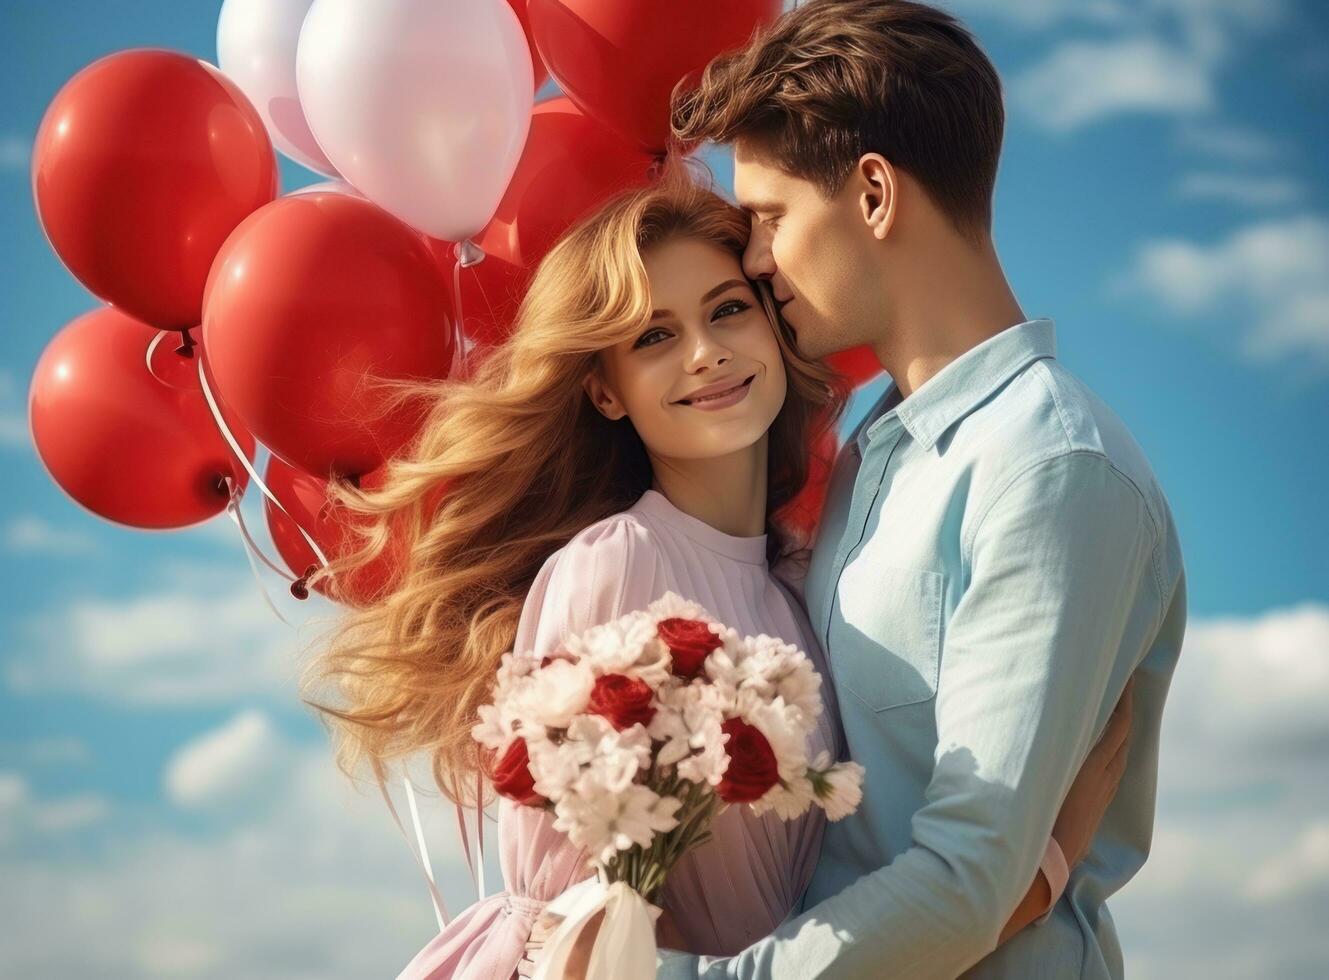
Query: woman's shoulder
{"x": 609, "y": 568}
{"x": 612, "y": 546}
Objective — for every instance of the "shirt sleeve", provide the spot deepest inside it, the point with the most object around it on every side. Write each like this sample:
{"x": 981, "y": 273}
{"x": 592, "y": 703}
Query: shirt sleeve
{"x": 1054, "y": 868}
{"x": 1037, "y": 651}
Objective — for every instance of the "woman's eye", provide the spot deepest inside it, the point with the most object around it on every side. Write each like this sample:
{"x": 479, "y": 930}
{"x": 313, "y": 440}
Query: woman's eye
{"x": 733, "y": 306}
{"x": 645, "y": 341}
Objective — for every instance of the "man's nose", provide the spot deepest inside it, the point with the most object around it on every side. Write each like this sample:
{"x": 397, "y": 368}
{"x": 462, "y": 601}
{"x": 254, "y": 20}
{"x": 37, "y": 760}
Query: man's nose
{"x": 757, "y": 260}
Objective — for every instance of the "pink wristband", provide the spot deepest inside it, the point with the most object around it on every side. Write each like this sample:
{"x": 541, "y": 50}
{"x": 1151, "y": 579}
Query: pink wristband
{"x": 1057, "y": 873}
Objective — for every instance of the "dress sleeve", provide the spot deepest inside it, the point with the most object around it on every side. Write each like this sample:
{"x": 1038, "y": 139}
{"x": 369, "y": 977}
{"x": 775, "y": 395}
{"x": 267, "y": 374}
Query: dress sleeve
{"x": 610, "y": 569}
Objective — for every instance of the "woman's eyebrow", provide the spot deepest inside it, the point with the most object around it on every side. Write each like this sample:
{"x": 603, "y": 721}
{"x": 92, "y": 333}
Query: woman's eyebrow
{"x": 710, "y": 295}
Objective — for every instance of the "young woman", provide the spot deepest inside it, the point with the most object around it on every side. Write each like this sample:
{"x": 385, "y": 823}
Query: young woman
{"x": 639, "y": 432}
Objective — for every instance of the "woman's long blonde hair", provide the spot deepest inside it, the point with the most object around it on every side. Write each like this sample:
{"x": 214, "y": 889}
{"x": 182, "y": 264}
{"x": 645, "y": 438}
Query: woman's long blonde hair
{"x": 509, "y": 466}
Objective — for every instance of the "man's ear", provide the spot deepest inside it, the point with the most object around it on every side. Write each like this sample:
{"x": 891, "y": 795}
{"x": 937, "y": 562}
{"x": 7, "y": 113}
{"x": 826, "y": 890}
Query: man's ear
{"x": 604, "y": 400}
{"x": 878, "y": 194}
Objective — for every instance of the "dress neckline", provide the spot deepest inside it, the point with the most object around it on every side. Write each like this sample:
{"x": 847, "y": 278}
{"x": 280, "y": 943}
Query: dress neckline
{"x": 750, "y": 550}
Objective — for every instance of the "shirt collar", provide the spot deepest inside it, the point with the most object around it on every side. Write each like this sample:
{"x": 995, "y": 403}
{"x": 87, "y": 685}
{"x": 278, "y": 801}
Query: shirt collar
{"x": 961, "y": 386}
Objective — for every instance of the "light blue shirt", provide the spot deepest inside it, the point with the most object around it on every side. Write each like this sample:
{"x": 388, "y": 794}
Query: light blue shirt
{"x": 994, "y": 561}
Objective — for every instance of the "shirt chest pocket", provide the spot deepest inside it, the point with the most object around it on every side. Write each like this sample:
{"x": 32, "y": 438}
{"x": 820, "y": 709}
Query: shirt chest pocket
{"x": 888, "y": 650}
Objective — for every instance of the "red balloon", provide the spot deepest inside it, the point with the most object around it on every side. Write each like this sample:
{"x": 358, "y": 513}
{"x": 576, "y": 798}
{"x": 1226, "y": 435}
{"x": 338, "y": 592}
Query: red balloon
{"x": 145, "y": 161}
{"x": 569, "y": 166}
{"x": 858, "y": 364}
{"x": 305, "y": 497}
{"x": 123, "y": 444}
{"x": 537, "y": 66}
{"x": 803, "y": 512}
{"x": 312, "y": 297}
{"x": 619, "y": 60}
{"x": 490, "y": 294}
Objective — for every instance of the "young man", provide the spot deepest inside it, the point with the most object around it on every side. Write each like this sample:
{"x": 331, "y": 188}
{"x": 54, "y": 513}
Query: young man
{"x": 996, "y": 558}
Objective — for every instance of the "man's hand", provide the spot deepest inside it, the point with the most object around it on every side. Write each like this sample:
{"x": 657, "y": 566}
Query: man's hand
{"x": 1097, "y": 782}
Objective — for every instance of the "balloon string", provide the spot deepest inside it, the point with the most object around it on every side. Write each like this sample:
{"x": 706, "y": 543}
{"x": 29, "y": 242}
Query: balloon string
{"x": 480, "y": 833}
{"x": 152, "y": 347}
{"x": 249, "y": 467}
{"x": 422, "y": 855}
{"x": 237, "y": 515}
{"x": 460, "y": 361}
{"x": 465, "y": 833}
{"x": 233, "y": 512}
{"x": 466, "y": 254}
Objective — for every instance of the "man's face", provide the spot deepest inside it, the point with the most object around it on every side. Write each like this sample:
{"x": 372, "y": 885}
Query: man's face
{"x": 815, "y": 251}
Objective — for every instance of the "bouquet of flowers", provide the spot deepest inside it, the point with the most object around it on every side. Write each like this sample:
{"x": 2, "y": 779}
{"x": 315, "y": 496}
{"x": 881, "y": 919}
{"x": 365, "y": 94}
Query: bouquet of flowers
{"x": 635, "y": 734}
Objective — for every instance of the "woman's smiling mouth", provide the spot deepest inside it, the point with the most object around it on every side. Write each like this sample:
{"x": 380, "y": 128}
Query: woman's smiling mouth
{"x": 721, "y": 399}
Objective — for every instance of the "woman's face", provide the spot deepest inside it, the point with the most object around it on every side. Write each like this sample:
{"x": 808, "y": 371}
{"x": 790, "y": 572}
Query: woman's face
{"x": 705, "y": 377}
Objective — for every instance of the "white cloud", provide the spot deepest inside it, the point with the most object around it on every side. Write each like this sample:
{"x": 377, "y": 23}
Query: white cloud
{"x": 1160, "y": 57}
{"x": 1304, "y": 866}
{"x": 14, "y": 432}
{"x": 1241, "y": 846}
{"x": 1038, "y": 14}
{"x": 1236, "y": 144}
{"x": 317, "y": 884}
{"x": 1272, "y": 278}
{"x": 1189, "y": 14}
{"x": 31, "y": 534}
{"x": 1239, "y": 189}
{"x": 234, "y": 766}
{"x": 1084, "y": 81}
{"x": 15, "y": 152}
{"x": 47, "y": 750}
{"x": 209, "y": 639}
{"x": 22, "y": 815}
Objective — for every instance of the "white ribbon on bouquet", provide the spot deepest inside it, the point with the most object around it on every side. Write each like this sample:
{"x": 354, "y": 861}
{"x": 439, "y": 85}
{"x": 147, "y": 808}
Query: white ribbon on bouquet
{"x": 624, "y": 947}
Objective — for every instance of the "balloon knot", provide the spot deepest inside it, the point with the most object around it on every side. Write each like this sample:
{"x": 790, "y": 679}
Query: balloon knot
{"x": 300, "y": 587}
{"x": 468, "y": 253}
{"x": 187, "y": 344}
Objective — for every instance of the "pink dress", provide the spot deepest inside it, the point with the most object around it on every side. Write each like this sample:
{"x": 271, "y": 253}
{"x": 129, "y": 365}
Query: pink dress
{"x": 739, "y": 886}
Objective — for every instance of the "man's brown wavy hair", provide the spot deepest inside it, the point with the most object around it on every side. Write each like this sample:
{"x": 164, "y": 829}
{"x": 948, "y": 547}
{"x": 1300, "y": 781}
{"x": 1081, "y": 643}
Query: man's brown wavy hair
{"x": 832, "y": 80}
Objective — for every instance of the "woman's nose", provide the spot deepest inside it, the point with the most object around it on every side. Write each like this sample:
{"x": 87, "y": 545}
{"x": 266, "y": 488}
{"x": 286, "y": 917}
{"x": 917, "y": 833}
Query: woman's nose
{"x": 707, "y": 352}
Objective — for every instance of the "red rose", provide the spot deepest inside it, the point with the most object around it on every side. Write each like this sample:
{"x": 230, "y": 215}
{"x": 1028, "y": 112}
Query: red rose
{"x": 690, "y": 641}
{"x": 752, "y": 769}
{"x": 623, "y": 700}
{"x": 512, "y": 776}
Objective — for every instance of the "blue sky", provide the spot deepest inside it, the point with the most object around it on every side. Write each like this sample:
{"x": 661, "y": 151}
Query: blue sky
{"x": 164, "y": 798}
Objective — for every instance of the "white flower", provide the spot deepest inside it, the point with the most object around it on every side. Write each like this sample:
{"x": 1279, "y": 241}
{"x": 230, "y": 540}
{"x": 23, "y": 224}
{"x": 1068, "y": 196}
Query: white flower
{"x": 708, "y": 765}
{"x": 789, "y": 799}
{"x": 512, "y": 668}
{"x": 552, "y": 695}
{"x": 784, "y": 726}
{"x": 774, "y": 669}
{"x": 673, "y": 606}
{"x": 494, "y": 729}
{"x": 628, "y": 645}
{"x": 839, "y": 789}
{"x": 688, "y": 720}
{"x": 605, "y": 823}
{"x": 590, "y": 745}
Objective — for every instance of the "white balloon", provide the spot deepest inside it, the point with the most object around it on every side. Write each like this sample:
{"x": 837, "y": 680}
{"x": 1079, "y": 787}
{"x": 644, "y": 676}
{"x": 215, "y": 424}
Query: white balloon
{"x": 422, "y": 105}
{"x": 326, "y": 187}
{"x": 256, "y": 43}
